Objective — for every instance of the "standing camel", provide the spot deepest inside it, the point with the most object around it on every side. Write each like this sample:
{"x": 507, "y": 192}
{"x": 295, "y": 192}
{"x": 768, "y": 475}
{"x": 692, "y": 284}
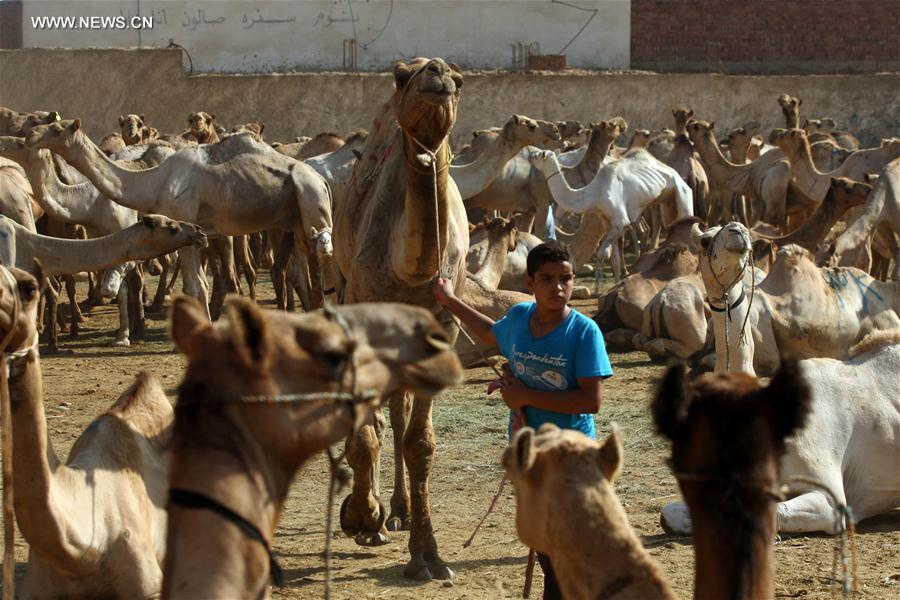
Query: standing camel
{"x": 403, "y": 224}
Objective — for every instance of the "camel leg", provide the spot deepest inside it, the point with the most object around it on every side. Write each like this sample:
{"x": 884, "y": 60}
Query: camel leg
{"x": 279, "y": 268}
{"x": 244, "y": 264}
{"x": 302, "y": 246}
{"x": 123, "y": 333}
{"x": 362, "y": 514}
{"x": 418, "y": 450}
{"x": 75, "y": 316}
{"x": 399, "y": 516}
{"x": 621, "y": 340}
{"x": 159, "y": 298}
{"x": 51, "y": 332}
{"x": 663, "y": 348}
{"x": 134, "y": 283}
{"x": 811, "y": 511}
{"x": 192, "y": 276}
{"x": 298, "y": 275}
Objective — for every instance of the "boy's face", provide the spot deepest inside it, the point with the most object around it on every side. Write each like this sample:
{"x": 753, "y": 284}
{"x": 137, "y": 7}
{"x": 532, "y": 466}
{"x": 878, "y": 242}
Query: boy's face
{"x": 552, "y": 284}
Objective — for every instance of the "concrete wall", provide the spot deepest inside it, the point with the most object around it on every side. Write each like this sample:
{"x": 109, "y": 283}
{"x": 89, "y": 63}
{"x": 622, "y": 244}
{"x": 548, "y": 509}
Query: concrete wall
{"x": 98, "y": 85}
{"x": 241, "y": 36}
{"x": 766, "y": 36}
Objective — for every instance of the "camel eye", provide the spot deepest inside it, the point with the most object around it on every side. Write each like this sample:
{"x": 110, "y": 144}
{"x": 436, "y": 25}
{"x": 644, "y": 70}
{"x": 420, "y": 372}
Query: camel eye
{"x": 28, "y": 291}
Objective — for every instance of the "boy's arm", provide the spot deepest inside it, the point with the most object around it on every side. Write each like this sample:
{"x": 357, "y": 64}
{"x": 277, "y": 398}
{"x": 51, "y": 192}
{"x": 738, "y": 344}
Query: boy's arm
{"x": 586, "y": 399}
{"x": 480, "y": 325}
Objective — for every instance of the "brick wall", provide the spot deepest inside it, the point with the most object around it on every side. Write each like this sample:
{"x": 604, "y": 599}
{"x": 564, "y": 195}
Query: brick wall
{"x": 11, "y": 24}
{"x": 765, "y": 36}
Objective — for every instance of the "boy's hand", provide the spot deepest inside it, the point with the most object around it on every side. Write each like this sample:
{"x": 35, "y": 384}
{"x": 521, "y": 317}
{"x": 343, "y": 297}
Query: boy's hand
{"x": 443, "y": 290}
{"x": 512, "y": 391}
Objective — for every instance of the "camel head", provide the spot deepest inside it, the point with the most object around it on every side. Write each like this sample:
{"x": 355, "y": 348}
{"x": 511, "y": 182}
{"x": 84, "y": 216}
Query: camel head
{"x": 790, "y": 108}
{"x": 553, "y": 471}
{"x": 524, "y": 131}
{"x": 825, "y": 125}
{"x": 20, "y": 123}
{"x": 410, "y": 341}
{"x": 569, "y": 129}
{"x": 499, "y": 228}
{"x": 57, "y": 136}
{"x": 607, "y": 131}
{"x": 791, "y": 141}
{"x": 740, "y": 137}
{"x": 729, "y": 428}
{"x": 701, "y": 132}
{"x": 639, "y": 138}
{"x": 724, "y": 254}
{"x": 682, "y": 115}
{"x": 14, "y": 148}
{"x": 19, "y": 286}
{"x": 169, "y": 235}
{"x": 148, "y": 134}
{"x": 132, "y": 127}
{"x": 255, "y": 129}
{"x": 849, "y": 192}
{"x": 543, "y": 160}
{"x": 203, "y": 126}
{"x": 426, "y": 99}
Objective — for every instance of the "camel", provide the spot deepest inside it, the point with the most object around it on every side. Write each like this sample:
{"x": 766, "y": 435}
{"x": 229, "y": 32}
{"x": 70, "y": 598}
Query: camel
{"x": 234, "y": 187}
{"x": 305, "y": 148}
{"x": 403, "y": 224}
{"x": 602, "y": 136}
{"x": 112, "y": 143}
{"x": 881, "y": 213}
{"x": 790, "y": 108}
{"x": 739, "y": 140}
{"x": 231, "y": 450}
{"x": 836, "y": 446}
{"x": 495, "y": 149}
{"x": 619, "y": 193}
{"x": 255, "y": 128}
{"x": 765, "y": 181}
{"x": 827, "y": 155}
{"x": 795, "y": 144}
{"x": 568, "y": 510}
{"x": 131, "y": 128}
{"x": 337, "y": 166}
{"x": 481, "y": 291}
{"x": 95, "y": 524}
{"x": 682, "y": 159}
{"x": 798, "y": 311}
{"x": 728, "y": 433}
{"x": 513, "y": 277}
{"x": 151, "y": 236}
{"x": 201, "y": 129}
{"x": 823, "y": 129}
{"x": 17, "y": 198}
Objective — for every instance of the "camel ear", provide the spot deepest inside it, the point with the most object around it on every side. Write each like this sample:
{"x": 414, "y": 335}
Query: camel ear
{"x": 455, "y": 67}
{"x": 121, "y": 120}
{"x": 712, "y": 125}
{"x": 829, "y": 122}
{"x": 141, "y": 117}
{"x": 674, "y": 112}
{"x": 357, "y": 154}
{"x": 149, "y": 222}
{"x": 788, "y": 397}
{"x": 250, "y": 333}
{"x": 212, "y": 118}
{"x": 188, "y": 319}
{"x": 261, "y": 127}
{"x": 799, "y": 102}
{"x": 520, "y": 455}
{"x": 402, "y": 74}
{"x": 516, "y": 119}
{"x": 609, "y": 455}
{"x": 670, "y": 406}
{"x": 76, "y": 125}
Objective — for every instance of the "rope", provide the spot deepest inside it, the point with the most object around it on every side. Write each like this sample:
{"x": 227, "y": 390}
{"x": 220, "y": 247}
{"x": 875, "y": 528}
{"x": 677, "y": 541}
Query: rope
{"x": 710, "y": 253}
{"x": 9, "y": 527}
{"x": 844, "y": 537}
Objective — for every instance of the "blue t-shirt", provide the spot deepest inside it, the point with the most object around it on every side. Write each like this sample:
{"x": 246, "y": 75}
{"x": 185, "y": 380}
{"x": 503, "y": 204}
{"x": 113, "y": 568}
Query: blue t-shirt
{"x": 555, "y": 361}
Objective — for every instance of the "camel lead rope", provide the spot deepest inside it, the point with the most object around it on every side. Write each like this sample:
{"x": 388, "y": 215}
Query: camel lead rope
{"x": 336, "y": 483}
{"x": 9, "y": 530}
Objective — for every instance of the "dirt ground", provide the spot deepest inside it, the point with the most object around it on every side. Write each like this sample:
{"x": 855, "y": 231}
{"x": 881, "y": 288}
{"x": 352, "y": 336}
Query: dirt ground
{"x": 85, "y": 378}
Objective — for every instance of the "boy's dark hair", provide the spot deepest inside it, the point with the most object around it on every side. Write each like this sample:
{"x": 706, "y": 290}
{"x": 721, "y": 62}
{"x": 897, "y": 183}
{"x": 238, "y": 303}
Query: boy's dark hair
{"x": 552, "y": 251}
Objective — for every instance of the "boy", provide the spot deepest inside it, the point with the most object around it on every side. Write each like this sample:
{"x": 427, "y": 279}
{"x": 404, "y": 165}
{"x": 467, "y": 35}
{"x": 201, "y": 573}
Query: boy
{"x": 557, "y": 356}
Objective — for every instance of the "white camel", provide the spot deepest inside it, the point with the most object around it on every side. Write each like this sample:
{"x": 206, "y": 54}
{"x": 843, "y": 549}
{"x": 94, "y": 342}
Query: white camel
{"x": 850, "y": 444}
{"x": 619, "y": 193}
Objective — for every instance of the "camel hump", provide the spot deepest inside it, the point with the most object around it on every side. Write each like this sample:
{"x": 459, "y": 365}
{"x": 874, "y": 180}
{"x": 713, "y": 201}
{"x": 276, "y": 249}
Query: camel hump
{"x": 145, "y": 408}
{"x": 874, "y": 341}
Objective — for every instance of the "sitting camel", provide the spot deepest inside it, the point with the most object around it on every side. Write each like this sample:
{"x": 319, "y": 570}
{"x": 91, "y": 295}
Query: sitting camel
{"x": 95, "y": 525}
{"x": 262, "y": 393}
{"x": 835, "y": 447}
{"x": 619, "y": 193}
{"x": 728, "y": 433}
{"x": 798, "y": 311}
{"x": 201, "y": 129}
{"x": 880, "y": 213}
{"x": 824, "y": 129}
{"x": 567, "y": 509}
{"x": 513, "y": 277}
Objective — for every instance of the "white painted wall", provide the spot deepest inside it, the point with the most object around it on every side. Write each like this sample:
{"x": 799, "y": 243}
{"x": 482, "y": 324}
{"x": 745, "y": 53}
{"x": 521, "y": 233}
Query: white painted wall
{"x": 241, "y": 36}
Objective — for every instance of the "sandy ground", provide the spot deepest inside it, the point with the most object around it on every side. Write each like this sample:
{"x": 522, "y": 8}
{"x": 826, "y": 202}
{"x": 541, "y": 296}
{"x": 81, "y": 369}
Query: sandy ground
{"x": 84, "y": 379}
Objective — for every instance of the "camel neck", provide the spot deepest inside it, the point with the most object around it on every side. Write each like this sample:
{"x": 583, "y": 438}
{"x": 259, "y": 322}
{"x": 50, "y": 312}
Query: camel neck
{"x": 813, "y": 183}
{"x": 424, "y": 226}
{"x": 490, "y": 273}
{"x": 69, "y": 203}
{"x": 36, "y": 471}
{"x": 578, "y": 201}
{"x": 733, "y": 547}
{"x": 597, "y": 149}
{"x": 473, "y": 177}
{"x": 813, "y": 231}
{"x": 134, "y": 189}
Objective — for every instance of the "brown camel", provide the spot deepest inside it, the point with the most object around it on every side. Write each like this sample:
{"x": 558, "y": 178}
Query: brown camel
{"x": 95, "y": 524}
{"x": 263, "y": 391}
{"x": 790, "y": 108}
{"x": 131, "y": 128}
{"x": 201, "y": 129}
{"x": 568, "y": 510}
{"x": 603, "y": 135}
{"x": 728, "y": 434}
{"x": 824, "y": 129}
{"x": 766, "y": 181}
{"x": 403, "y": 224}
{"x": 682, "y": 159}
